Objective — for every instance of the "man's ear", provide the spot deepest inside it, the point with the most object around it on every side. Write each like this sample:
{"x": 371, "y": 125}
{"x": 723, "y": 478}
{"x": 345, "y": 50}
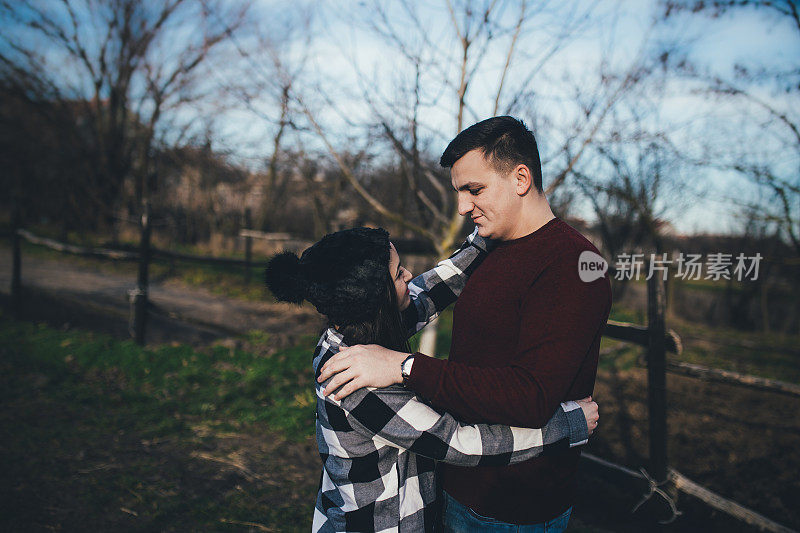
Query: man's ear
{"x": 524, "y": 179}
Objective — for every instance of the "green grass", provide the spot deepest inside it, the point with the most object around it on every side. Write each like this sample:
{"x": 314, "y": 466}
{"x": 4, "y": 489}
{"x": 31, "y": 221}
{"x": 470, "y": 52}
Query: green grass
{"x": 747, "y": 352}
{"x": 87, "y": 403}
{"x": 627, "y": 315}
{"x": 96, "y": 427}
{"x": 230, "y": 281}
{"x": 214, "y": 384}
{"x": 755, "y": 353}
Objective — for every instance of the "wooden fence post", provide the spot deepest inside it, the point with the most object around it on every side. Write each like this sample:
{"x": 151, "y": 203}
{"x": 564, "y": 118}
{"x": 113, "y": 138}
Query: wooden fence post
{"x": 669, "y": 293}
{"x": 656, "y": 377}
{"x": 140, "y": 295}
{"x": 16, "y": 264}
{"x": 248, "y": 246}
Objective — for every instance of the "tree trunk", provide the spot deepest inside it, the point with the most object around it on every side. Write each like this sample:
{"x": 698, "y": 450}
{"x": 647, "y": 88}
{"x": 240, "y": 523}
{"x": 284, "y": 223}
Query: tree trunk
{"x": 427, "y": 341}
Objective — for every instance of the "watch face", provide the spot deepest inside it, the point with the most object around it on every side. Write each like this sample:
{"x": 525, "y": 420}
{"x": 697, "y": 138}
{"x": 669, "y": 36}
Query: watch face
{"x": 405, "y": 368}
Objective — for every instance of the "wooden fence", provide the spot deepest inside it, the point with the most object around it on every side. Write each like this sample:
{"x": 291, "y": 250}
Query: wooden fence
{"x": 658, "y": 340}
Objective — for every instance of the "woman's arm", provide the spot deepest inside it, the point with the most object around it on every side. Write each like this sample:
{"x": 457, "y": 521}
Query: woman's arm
{"x": 434, "y": 290}
{"x": 397, "y": 417}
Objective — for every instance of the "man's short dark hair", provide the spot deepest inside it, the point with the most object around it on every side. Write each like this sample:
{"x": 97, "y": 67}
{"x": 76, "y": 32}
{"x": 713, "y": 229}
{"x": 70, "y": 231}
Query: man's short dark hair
{"x": 505, "y": 141}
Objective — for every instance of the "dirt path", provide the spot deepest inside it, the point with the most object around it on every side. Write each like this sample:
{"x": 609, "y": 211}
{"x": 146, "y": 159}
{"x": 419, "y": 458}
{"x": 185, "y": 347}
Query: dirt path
{"x": 86, "y": 296}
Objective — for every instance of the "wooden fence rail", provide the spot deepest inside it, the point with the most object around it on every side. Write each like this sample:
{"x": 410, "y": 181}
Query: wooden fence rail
{"x": 735, "y": 378}
{"x": 105, "y": 253}
{"x": 740, "y": 512}
{"x": 711, "y": 498}
{"x": 636, "y": 334}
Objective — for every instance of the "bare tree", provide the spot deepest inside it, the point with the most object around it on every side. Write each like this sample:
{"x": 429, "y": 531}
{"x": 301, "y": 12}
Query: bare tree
{"x": 783, "y": 8}
{"x": 754, "y": 137}
{"x": 759, "y": 139}
{"x": 441, "y": 77}
{"x": 635, "y": 182}
{"x": 266, "y": 88}
{"x": 129, "y": 67}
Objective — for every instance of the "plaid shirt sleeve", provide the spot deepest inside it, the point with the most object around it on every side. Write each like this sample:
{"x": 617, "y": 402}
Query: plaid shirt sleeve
{"x": 434, "y": 290}
{"x": 371, "y": 483}
{"x": 394, "y": 416}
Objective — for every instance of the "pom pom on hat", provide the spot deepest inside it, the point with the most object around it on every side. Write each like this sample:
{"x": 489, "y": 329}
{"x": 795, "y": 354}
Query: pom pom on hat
{"x": 284, "y": 278}
{"x": 344, "y": 275}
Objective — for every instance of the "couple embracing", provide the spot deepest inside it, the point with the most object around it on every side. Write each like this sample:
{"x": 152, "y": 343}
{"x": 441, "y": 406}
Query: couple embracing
{"x": 488, "y": 439}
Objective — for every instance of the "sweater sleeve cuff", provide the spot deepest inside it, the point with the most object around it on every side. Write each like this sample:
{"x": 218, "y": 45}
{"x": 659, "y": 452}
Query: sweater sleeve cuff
{"x": 425, "y": 375}
{"x": 578, "y": 431}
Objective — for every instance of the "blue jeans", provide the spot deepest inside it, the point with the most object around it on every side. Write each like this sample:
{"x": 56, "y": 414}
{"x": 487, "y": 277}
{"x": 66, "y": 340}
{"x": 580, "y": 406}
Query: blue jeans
{"x": 461, "y": 519}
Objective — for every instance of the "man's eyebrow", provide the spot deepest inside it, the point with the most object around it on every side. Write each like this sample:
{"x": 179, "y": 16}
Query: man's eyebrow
{"x": 468, "y": 185}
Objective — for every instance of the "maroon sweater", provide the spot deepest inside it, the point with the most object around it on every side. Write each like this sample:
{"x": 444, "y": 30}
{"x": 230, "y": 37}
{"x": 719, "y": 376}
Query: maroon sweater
{"x": 526, "y": 336}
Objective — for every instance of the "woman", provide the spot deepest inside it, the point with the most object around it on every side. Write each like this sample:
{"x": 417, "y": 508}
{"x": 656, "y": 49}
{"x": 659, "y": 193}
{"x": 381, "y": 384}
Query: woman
{"x": 379, "y": 446}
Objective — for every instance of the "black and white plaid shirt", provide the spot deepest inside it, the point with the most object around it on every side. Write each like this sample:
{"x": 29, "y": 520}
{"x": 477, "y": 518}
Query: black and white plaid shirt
{"x": 379, "y": 446}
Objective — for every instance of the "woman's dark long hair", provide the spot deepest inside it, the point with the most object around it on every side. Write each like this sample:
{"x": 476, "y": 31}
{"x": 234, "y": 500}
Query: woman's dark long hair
{"x": 385, "y": 329}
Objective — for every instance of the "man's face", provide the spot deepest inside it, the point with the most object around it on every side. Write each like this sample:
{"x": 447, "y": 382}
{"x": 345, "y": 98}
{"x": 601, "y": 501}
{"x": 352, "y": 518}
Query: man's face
{"x": 488, "y": 197}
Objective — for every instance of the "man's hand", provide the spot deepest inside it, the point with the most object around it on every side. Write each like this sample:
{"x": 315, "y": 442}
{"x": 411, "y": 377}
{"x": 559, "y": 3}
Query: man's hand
{"x": 361, "y": 366}
{"x": 591, "y": 412}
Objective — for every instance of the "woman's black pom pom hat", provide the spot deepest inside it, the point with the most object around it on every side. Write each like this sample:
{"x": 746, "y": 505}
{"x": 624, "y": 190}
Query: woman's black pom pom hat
{"x": 343, "y": 275}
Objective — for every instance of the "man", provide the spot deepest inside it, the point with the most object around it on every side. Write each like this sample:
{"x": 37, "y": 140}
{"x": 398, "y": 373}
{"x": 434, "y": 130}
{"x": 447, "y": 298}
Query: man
{"x": 526, "y": 334}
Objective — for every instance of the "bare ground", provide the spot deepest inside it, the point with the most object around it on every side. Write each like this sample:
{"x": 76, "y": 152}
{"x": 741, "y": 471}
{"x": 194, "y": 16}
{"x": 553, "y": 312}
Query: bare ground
{"x": 65, "y": 291}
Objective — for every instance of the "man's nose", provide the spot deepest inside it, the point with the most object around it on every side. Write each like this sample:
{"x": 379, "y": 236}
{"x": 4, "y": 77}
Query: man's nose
{"x": 465, "y": 205}
{"x": 407, "y": 276}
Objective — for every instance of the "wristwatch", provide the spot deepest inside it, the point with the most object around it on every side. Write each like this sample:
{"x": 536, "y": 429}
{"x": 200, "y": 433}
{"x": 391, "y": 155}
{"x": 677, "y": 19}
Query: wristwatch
{"x": 405, "y": 367}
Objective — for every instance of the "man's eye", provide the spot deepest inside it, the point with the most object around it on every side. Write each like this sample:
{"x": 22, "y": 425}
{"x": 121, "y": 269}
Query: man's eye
{"x": 475, "y": 192}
